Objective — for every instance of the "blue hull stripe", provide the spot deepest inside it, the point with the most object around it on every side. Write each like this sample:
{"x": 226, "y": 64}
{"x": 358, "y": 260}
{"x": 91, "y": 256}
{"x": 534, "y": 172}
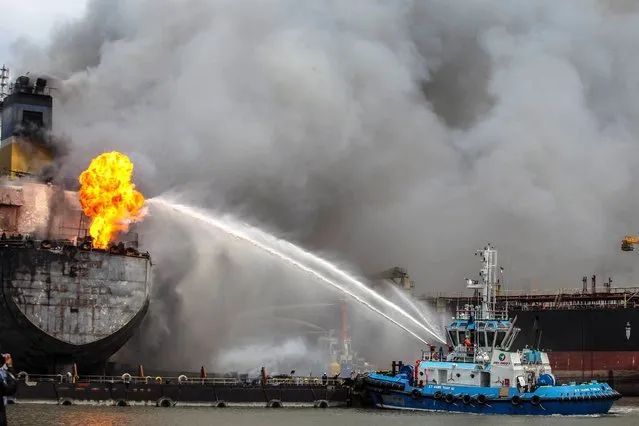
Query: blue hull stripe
{"x": 398, "y": 401}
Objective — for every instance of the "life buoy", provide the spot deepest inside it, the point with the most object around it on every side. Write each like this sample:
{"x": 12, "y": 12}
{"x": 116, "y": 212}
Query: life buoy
{"x": 275, "y": 403}
{"x": 438, "y": 395}
{"x": 415, "y": 394}
{"x": 321, "y": 404}
{"x": 182, "y": 378}
{"x": 126, "y": 377}
{"x": 165, "y": 402}
{"x": 481, "y": 399}
{"x": 450, "y": 398}
{"x": 467, "y": 399}
{"x": 515, "y": 400}
{"x": 158, "y": 379}
{"x": 535, "y": 400}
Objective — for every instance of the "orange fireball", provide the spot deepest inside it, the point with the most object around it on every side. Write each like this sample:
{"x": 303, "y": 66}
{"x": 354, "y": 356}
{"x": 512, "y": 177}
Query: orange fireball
{"x": 108, "y": 197}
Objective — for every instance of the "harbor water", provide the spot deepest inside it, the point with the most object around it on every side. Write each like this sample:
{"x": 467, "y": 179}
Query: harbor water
{"x": 624, "y": 413}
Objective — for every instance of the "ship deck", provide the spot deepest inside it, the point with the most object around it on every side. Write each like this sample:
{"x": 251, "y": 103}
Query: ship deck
{"x": 565, "y": 298}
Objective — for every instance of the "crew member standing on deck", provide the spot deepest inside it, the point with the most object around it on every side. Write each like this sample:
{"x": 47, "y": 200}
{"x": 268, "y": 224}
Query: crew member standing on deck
{"x": 8, "y": 386}
{"x": 468, "y": 343}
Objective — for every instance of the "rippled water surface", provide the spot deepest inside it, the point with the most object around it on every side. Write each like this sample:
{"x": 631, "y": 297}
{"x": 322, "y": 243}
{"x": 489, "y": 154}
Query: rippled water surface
{"x": 625, "y": 412}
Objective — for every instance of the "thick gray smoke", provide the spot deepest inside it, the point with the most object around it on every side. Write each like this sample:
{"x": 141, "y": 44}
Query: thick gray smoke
{"x": 399, "y": 132}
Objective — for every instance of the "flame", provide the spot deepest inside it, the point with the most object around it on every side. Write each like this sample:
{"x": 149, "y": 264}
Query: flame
{"x": 109, "y": 198}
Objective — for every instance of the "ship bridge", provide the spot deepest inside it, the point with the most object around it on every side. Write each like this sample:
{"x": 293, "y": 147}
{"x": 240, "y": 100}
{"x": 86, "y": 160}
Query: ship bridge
{"x": 482, "y": 334}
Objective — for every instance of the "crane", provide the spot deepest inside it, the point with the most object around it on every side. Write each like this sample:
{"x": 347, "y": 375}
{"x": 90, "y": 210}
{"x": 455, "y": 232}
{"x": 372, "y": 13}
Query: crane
{"x": 628, "y": 242}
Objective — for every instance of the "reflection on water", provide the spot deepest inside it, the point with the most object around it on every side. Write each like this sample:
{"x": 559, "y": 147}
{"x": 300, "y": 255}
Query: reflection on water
{"x": 625, "y": 413}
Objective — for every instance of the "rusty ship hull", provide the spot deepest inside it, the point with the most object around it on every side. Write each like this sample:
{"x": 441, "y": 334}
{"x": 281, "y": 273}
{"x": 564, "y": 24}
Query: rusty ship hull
{"x": 62, "y": 306}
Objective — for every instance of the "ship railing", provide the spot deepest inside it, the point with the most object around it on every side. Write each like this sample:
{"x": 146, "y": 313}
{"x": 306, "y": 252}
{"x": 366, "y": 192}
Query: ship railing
{"x": 25, "y": 241}
{"x": 304, "y": 381}
{"x": 497, "y": 314}
{"x": 182, "y": 379}
{"x": 511, "y": 293}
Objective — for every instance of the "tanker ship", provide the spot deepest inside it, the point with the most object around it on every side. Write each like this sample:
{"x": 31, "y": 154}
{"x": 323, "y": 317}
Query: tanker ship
{"x": 64, "y": 299}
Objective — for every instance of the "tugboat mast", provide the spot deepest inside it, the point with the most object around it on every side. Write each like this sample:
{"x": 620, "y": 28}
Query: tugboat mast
{"x": 487, "y": 282}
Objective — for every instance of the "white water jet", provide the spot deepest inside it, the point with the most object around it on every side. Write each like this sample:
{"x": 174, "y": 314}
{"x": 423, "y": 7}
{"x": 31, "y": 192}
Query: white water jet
{"x": 235, "y": 230}
{"x": 410, "y": 302}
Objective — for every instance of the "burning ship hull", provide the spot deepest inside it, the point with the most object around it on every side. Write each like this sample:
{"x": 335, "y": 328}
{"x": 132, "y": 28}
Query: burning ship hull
{"x": 63, "y": 301}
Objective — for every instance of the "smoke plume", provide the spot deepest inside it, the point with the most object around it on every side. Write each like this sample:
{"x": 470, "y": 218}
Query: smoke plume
{"x": 384, "y": 133}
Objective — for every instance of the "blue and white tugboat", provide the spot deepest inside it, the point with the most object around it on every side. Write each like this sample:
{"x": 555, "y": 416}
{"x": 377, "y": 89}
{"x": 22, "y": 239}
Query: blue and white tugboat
{"x": 480, "y": 374}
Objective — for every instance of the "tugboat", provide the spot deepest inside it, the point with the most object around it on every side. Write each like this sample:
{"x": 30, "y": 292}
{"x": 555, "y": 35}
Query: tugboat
{"x": 480, "y": 374}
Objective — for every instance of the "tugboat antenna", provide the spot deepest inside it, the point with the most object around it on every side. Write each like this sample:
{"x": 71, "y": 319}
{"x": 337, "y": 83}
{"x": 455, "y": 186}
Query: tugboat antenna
{"x": 487, "y": 281}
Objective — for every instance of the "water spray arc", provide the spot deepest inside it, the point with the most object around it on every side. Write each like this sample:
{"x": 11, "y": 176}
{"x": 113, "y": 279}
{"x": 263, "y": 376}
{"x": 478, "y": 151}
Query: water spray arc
{"x": 407, "y": 299}
{"x": 236, "y": 232}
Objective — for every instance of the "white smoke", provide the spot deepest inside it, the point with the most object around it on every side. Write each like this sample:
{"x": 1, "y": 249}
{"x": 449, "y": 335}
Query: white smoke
{"x": 399, "y": 132}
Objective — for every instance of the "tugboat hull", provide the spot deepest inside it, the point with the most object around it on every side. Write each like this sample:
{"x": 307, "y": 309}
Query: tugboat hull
{"x": 547, "y": 408}
{"x": 396, "y": 393}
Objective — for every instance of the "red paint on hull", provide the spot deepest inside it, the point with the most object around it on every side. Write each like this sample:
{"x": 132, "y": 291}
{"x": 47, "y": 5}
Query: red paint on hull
{"x": 593, "y": 361}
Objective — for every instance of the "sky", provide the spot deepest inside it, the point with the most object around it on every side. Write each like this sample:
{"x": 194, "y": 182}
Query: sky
{"x": 33, "y": 20}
